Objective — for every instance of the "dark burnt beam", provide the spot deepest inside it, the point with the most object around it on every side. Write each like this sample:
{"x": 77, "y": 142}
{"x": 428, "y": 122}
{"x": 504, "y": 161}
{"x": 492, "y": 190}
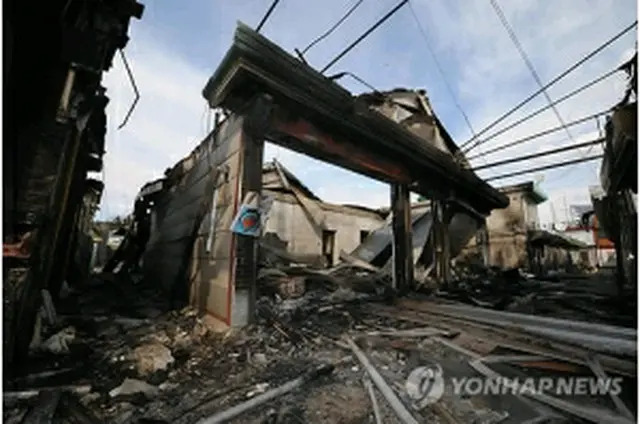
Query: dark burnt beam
{"x": 402, "y": 243}
{"x": 69, "y": 213}
{"x": 442, "y": 247}
{"x": 304, "y": 137}
{"x": 312, "y": 103}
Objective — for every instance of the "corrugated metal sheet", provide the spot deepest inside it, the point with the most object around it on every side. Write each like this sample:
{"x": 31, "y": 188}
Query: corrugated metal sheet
{"x": 461, "y": 229}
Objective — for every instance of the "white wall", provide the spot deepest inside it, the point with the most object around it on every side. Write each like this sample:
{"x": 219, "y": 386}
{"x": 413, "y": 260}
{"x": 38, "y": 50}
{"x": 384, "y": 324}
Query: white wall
{"x": 289, "y": 221}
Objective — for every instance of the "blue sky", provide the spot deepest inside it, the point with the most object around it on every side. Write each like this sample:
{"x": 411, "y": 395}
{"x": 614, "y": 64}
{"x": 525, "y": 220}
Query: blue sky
{"x": 177, "y": 46}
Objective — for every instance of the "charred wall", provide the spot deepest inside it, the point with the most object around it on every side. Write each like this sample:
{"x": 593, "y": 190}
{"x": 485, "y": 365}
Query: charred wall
{"x": 177, "y": 256}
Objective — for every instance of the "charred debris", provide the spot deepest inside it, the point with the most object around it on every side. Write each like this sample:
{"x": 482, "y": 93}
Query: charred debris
{"x": 232, "y": 298}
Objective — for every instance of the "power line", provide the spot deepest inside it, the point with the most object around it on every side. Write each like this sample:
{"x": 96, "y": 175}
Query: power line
{"x": 425, "y": 36}
{"x": 537, "y": 135}
{"x": 527, "y": 61}
{"x": 267, "y": 14}
{"x": 363, "y": 36}
{"x": 333, "y": 28}
{"x": 552, "y": 82}
{"x": 357, "y": 78}
{"x": 544, "y": 108}
{"x": 569, "y": 171}
{"x": 544, "y": 168}
{"x": 590, "y": 143}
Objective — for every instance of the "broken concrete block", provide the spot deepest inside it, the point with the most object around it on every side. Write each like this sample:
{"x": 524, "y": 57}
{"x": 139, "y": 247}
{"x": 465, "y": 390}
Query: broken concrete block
{"x": 89, "y": 398}
{"x": 152, "y": 357}
{"x": 292, "y": 287}
{"x": 58, "y": 344}
{"x": 199, "y": 330}
{"x": 260, "y": 358}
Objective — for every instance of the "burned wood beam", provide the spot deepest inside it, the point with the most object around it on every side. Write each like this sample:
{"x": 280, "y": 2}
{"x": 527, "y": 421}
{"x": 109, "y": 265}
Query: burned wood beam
{"x": 597, "y": 369}
{"x": 240, "y": 409}
{"x": 442, "y": 246}
{"x": 45, "y": 408}
{"x": 374, "y": 400}
{"x": 396, "y": 404}
{"x": 402, "y": 244}
{"x": 32, "y": 393}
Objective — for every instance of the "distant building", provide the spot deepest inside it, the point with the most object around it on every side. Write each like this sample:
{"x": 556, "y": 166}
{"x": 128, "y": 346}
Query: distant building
{"x": 504, "y": 241}
{"x": 584, "y": 226}
{"x": 513, "y": 238}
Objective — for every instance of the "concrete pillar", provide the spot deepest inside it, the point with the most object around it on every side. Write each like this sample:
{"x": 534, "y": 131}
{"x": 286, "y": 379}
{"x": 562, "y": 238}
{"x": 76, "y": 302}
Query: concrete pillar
{"x": 402, "y": 245}
{"x": 245, "y": 288}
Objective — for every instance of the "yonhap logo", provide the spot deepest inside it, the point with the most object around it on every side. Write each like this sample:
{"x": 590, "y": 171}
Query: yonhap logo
{"x": 425, "y": 385}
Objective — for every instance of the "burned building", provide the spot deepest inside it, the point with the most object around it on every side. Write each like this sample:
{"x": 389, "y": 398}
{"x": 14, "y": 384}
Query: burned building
{"x": 615, "y": 205}
{"x": 513, "y": 238}
{"x": 268, "y": 95}
{"x": 298, "y": 221}
{"x": 507, "y": 230}
{"x": 55, "y": 126}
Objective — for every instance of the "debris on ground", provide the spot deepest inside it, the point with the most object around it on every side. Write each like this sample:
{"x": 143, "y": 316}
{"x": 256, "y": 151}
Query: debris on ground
{"x": 587, "y": 297}
{"x": 131, "y": 386}
{"x": 339, "y": 332}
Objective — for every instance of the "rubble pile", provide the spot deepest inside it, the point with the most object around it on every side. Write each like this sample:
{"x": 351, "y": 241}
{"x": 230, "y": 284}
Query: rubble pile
{"x": 585, "y": 297}
{"x": 326, "y": 346}
{"x": 120, "y": 352}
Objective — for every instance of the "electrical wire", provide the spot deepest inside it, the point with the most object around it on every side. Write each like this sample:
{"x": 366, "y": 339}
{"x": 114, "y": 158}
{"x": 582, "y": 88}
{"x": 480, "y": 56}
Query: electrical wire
{"x": 537, "y": 155}
{"x": 544, "y": 108}
{"x": 571, "y": 170}
{"x": 425, "y": 36}
{"x": 364, "y": 35}
{"x": 603, "y": 141}
{"x": 333, "y": 28}
{"x": 551, "y": 83}
{"x": 527, "y": 61}
{"x": 267, "y": 14}
{"x": 539, "y": 134}
{"x": 544, "y": 168}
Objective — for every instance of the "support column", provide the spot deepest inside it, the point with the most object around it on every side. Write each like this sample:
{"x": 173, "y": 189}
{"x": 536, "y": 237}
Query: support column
{"x": 245, "y": 289}
{"x": 483, "y": 243}
{"x": 402, "y": 244}
{"x": 442, "y": 251}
